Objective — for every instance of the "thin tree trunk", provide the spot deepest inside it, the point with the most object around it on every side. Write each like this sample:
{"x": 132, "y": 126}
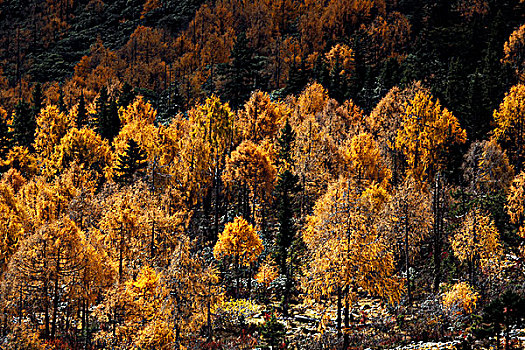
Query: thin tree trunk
{"x": 346, "y": 338}
{"x": 46, "y": 295}
{"x": 121, "y": 257}
{"x": 407, "y": 258}
{"x": 339, "y": 307}
{"x": 55, "y": 297}
{"x": 217, "y": 201}
{"x": 237, "y": 264}
{"x": 208, "y": 311}
{"x": 437, "y": 234}
{"x": 152, "y": 243}
{"x": 250, "y": 281}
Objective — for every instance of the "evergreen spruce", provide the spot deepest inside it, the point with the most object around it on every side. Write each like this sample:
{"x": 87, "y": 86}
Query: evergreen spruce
{"x": 126, "y": 96}
{"x": 36, "y": 100}
{"x": 24, "y": 125}
{"x": 243, "y": 74}
{"x": 286, "y": 189}
{"x": 61, "y": 104}
{"x": 297, "y": 79}
{"x": 107, "y": 119}
{"x": 287, "y": 186}
{"x": 128, "y": 163}
{"x": 285, "y": 143}
{"x": 82, "y": 115}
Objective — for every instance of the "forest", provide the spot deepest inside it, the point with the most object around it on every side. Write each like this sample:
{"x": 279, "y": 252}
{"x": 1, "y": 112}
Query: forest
{"x": 262, "y": 174}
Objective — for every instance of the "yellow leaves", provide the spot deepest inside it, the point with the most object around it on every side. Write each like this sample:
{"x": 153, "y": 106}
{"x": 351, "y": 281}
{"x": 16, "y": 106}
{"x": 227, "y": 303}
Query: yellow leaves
{"x": 240, "y": 240}
{"x": 82, "y": 146}
{"x": 52, "y": 125}
{"x": 138, "y": 124}
{"x": 460, "y": 298}
{"x": 408, "y": 211}
{"x": 149, "y": 6}
{"x": 374, "y": 197}
{"x": 214, "y": 122}
{"x": 229, "y": 312}
{"x": 364, "y": 160}
{"x": 510, "y": 119}
{"x": 389, "y": 36}
{"x": 261, "y": 118}
{"x": 477, "y": 238}
{"x": 145, "y": 284}
{"x": 486, "y": 168}
{"x": 342, "y": 57}
{"x": 470, "y": 8}
{"x": 268, "y": 272}
{"x": 312, "y": 100}
{"x": 13, "y": 179}
{"x": 12, "y": 223}
{"x": 514, "y": 50}
{"x": 250, "y": 164}
{"x": 140, "y": 112}
{"x": 344, "y": 247}
{"x": 427, "y": 132}
{"x": 516, "y": 202}
{"x": 146, "y": 322}
{"x": 19, "y": 158}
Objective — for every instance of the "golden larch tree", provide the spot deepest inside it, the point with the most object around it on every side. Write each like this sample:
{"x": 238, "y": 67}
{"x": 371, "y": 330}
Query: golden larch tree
{"x": 510, "y": 123}
{"x": 406, "y": 221}
{"x": 427, "y": 133}
{"x": 477, "y": 243}
{"x": 240, "y": 241}
{"x": 345, "y": 250}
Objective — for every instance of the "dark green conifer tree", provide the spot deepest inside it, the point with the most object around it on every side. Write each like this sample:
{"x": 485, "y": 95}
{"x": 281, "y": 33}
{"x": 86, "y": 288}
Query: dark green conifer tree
{"x": 285, "y": 190}
{"x": 128, "y": 163}
{"x": 61, "y": 104}
{"x": 36, "y": 99}
{"x": 107, "y": 119}
{"x": 82, "y": 115}
{"x": 243, "y": 74}
{"x": 126, "y": 96}
{"x": 24, "y": 125}
{"x": 297, "y": 79}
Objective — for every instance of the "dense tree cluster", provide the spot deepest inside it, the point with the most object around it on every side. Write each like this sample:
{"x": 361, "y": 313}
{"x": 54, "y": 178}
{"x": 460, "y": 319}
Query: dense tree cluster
{"x": 210, "y": 161}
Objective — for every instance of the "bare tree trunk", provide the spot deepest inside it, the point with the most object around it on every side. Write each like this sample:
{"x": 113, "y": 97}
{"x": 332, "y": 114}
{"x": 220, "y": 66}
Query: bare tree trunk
{"x": 208, "y": 311}
{"x": 46, "y": 295}
{"x": 407, "y": 258}
{"x": 339, "y": 307}
{"x": 437, "y": 234}
{"x": 55, "y": 297}
{"x": 346, "y": 338}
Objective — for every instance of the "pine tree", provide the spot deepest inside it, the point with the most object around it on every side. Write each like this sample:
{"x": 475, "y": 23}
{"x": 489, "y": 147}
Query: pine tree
{"x": 36, "y": 99}
{"x": 82, "y": 116}
{"x": 285, "y": 143}
{"x": 478, "y": 115}
{"x": 107, "y": 119}
{"x": 126, "y": 96}
{"x": 286, "y": 189}
{"x": 287, "y": 186}
{"x": 61, "y": 104}
{"x": 243, "y": 74}
{"x": 297, "y": 79}
{"x": 24, "y": 125}
{"x": 131, "y": 161}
